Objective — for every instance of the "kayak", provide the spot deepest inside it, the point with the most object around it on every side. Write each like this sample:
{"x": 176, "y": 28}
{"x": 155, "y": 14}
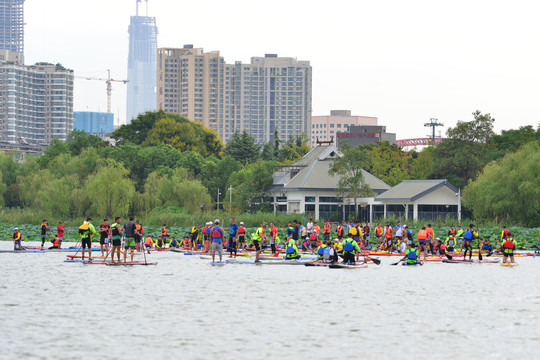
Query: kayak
{"x": 130, "y": 263}
{"x": 509, "y": 264}
{"x": 345, "y": 266}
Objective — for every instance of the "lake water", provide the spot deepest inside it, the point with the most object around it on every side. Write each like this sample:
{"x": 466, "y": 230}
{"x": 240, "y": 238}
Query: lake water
{"x": 183, "y": 308}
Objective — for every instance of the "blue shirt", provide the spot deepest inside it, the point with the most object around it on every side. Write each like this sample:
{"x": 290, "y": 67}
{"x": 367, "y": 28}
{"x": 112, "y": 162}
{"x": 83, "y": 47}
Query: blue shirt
{"x": 218, "y": 239}
{"x": 233, "y": 228}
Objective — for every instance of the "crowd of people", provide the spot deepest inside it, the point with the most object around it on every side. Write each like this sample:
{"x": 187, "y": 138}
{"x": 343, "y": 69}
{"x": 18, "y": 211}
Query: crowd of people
{"x": 348, "y": 241}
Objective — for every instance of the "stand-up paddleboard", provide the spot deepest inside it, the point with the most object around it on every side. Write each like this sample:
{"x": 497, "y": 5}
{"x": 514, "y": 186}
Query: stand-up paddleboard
{"x": 509, "y": 264}
{"x": 344, "y": 266}
{"x": 129, "y": 263}
{"x": 27, "y": 251}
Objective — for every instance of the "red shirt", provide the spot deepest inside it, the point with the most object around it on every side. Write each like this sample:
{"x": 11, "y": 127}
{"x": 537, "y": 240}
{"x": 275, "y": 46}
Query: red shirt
{"x": 273, "y": 232}
{"x": 60, "y": 230}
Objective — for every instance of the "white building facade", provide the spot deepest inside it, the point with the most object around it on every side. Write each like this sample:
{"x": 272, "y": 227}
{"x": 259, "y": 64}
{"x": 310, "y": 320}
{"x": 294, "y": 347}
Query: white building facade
{"x": 306, "y": 188}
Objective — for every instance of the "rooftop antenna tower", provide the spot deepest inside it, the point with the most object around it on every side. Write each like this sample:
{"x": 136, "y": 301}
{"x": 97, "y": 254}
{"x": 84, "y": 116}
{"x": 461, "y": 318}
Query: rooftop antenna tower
{"x": 433, "y": 123}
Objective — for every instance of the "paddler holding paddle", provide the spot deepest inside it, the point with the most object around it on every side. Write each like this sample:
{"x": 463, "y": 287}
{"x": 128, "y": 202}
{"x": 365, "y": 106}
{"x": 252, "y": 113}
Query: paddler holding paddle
{"x": 350, "y": 247}
{"x": 17, "y": 239}
{"x": 412, "y": 256}
{"x": 508, "y": 248}
{"x": 116, "y": 232}
{"x": 217, "y": 240}
{"x": 291, "y": 251}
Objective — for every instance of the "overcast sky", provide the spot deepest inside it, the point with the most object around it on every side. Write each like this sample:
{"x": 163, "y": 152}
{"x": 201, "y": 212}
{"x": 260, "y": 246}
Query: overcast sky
{"x": 402, "y": 61}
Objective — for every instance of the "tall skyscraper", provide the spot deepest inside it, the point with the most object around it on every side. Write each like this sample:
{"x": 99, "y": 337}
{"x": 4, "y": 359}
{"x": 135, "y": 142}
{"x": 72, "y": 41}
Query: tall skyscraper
{"x": 270, "y": 92}
{"x": 141, "y": 88}
{"x": 36, "y": 103}
{"x": 12, "y": 25}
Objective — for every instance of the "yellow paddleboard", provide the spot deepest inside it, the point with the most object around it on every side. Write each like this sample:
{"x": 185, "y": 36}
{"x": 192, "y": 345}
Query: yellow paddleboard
{"x": 509, "y": 264}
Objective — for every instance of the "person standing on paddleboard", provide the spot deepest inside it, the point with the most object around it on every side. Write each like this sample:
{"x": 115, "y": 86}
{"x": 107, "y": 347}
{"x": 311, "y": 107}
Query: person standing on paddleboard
{"x": 350, "y": 246}
{"x": 44, "y": 228}
{"x": 139, "y": 233}
{"x": 17, "y": 239}
{"x": 467, "y": 241}
{"x": 241, "y": 236}
{"x": 104, "y": 230}
{"x": 129, "y": 231}
{"x": 60, "y": 229}
{"x": 87, "y": 230}
{"x": 508, "y": 248}
{"x": 217, "y": 240}
{"x": 257, "y": 238}
{"x": 116, "y": 232}
{"x": 273, "y": 237}
{"x": 233, "y": 230}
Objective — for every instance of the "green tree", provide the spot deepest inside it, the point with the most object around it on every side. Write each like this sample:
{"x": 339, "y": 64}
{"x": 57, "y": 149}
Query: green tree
{"x": 461, "y": 156}
{"x": 390, "y": 163}
{"x": 137, "y": 130}
{"x": 508, "y": 189}
{"x": 110, "y": 190}
{"x": 243, "y": 147}
{"x": 294, "y": 149}
{"x": 350, "y": 169}
{"x": 250, "y": 184}
{"x": 511, "y": 140}
{"x": 79, "y": 140}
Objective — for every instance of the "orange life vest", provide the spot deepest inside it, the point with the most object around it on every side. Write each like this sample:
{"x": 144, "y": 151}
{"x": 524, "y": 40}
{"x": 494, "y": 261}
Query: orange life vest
{"x": 340, "y": 230}
{"x": 422, "y": 235}
{"x": 164, "y": 231}
{"x": 327, "y": 229}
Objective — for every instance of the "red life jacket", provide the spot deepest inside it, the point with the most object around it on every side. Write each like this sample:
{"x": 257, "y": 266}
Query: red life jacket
{"x": 508, "y": 244}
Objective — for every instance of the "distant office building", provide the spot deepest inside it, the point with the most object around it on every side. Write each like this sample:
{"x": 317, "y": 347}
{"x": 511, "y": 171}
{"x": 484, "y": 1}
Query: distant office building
{"x": 98, "y": 123}
{"x": 270, "y": 92}
{"x": 327, "y": 127}
{"x": 12, "y": 25}
{"x": 363, "y": 135}
{"x": 36, "y": 103}
{"x": 142, "y": 58}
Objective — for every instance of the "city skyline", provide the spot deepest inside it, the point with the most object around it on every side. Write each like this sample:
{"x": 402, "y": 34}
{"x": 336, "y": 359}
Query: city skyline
{"x": 401, "y": 63}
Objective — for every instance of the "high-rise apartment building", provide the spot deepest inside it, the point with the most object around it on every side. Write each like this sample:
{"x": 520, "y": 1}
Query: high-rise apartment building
{"x": 270, "y": 92}
{"x": 326, "y": 127}
{"x": 12, "y": 25}
{"x": 141, "y": 86}
{"x": 190, "y": 83}
{"x": 36, "y": 103}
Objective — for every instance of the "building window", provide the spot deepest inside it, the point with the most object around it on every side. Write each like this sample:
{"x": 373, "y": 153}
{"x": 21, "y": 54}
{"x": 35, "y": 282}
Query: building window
{"x": 331, "y": 126}
{"x": 329, "y": 199}
{"x": 310, "y": 199}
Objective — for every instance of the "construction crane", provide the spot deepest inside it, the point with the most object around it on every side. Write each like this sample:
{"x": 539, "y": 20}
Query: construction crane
{"x": 109, "y": 82}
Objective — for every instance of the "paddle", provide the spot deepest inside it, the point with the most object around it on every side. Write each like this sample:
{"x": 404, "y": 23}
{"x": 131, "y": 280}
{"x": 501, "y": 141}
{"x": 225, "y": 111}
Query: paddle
{"x": 144, "y": 252}
{"x": 277, "y": 253}
{"x": 479, "y": 250}
{"x": 397, "y": 262}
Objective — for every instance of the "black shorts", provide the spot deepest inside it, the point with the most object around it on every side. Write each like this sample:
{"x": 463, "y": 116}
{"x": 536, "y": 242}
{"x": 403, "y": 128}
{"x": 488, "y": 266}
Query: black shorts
{"x": 312, "y": 243}
{"x": 117, "y": 242}
{"x": 137, "y": 238}
{"x": 86, "y": 243}
{"x": 241, "y": 239}
{"x": 450, "y": 248}
{"x": 507, "y": 253}
{"x": 102, "y": 240}
{"x": 257, "y": 245}
{"x": 231, "y": 239}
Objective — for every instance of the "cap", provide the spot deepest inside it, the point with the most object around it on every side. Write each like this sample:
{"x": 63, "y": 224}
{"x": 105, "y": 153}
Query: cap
{"x": 216, "y": 221}
{"x": 241, "y": 223}
{"x": 16, "y": 229}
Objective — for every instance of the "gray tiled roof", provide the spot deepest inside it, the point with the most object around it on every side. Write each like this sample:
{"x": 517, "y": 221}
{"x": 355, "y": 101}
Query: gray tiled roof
{"x": 315, "y": 174}
{"x": 410, "y": 190}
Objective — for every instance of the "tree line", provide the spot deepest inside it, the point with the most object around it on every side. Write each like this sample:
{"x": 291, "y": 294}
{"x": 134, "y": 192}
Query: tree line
{"x": 164, "y": 160}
